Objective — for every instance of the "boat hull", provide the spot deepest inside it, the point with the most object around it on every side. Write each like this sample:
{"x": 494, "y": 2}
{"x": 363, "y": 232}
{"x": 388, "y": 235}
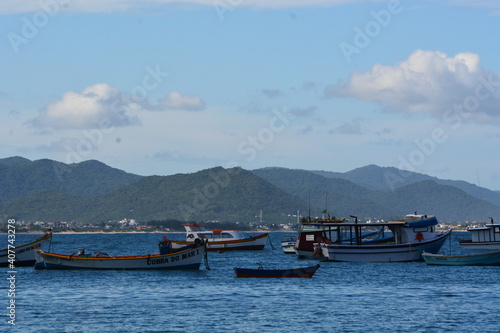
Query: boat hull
{"x": 24, "y": 254}
{"x": 383, "y": 252}
{"x": 254, "y": 243}
{"x": 480, "y": 245}
{"x": 479, "y": 259}
{"x": 189, "y": 258}
{"x": 300, "y": 272}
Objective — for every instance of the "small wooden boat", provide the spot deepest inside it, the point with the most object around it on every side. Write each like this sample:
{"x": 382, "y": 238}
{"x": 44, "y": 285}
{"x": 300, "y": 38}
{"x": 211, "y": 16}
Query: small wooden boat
{"x": 300, "y": 272}
{"x": 224, "y": 240}
{"x": 479, "y": 259}
{"x": 23, "y": 255}
{"x": 188, "y": 257}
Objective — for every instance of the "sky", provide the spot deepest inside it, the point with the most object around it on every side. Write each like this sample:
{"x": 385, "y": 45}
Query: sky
{"x": 162, "y": 87}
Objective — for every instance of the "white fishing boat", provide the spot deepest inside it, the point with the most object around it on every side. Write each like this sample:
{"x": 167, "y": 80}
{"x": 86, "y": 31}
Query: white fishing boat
{"x": 288, "y": 244}
{"x": 188, "y": 257}
{"x": 483, "y": 238}
{"x": 411, "y": 237}
{"x": 23, "y": 255}
{"x": 222, "y": 240}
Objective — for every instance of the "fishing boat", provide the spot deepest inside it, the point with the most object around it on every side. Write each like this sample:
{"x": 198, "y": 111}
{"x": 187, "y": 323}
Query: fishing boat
{"x": 478, "y": 259}
{"x": 23, "y": 255}
{"x": 311, "y": 234}
{"x": 221, "y": 240}
{"x": 483, "y": 238}
{"x": 260, "y": 272}
{"x": 188, "y": 257}
{"x": 288, "y": 244}
{"x": 411, "y": 237}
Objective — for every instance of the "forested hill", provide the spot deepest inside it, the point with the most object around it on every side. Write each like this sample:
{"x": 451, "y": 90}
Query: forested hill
{"x": 92, "y": 191}
{"x": 20, "y": 177}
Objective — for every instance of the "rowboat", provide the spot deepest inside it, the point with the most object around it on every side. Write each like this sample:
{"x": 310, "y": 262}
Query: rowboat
{"x": 23, "y": 255}
{"x": 483, "y": 238}
{"x": 478, "y": 259}
{"x": 188, "y": 257}
{"x": 299, "y": 272}
{"x": 224, "y": 240}
{"x": 412, "y": 236}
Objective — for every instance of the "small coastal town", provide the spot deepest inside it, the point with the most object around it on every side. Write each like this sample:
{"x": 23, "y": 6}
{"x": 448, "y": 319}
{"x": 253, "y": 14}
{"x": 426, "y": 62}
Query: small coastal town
{"x": 132, "y": 225}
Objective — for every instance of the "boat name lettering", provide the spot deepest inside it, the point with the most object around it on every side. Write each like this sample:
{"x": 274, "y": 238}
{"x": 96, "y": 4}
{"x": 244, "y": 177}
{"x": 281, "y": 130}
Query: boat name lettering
{"x": 188, "y": 255}
{"x": 26, "y": 249}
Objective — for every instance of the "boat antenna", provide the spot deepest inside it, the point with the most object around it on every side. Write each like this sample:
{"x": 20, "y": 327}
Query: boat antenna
{"x": 309, "y": 213}
{"x": 326, "y": 201}
{"x": 479, "y": 184}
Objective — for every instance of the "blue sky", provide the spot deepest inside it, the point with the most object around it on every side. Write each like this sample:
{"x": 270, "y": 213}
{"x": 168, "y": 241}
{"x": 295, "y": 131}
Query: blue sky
{"x": 164, "y": 87}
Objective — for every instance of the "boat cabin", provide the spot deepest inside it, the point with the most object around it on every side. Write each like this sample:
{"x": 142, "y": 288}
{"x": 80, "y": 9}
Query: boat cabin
{"x": 194, "y": 231}
{"x": 488, "y": 233}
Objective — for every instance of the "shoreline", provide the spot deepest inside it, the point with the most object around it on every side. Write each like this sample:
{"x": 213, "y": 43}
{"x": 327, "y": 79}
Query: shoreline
{"x": 127, "y": 232}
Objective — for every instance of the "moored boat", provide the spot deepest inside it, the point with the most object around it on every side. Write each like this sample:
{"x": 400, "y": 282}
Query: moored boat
{"x": 311, "y": 234}
{"x": 222, "y": 240}
{"x": 477, "y": 259}
{"x": 483, "y": 238}
{"x": 411, "y": 237}
{"x": 260, "y": 272}
{"x": 188, "y": 257}
{"x": 23, "y": 255}
{"x": 288, "y": 244}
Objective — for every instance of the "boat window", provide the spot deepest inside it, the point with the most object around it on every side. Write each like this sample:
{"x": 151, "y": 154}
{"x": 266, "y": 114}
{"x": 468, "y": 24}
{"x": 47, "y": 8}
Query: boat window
{"x": 205, "y": 235}
{"x": 310, "y": 238}
{"x": 226, "y": 235}
{"x": 497, "y": 229}
{"x": 421, "y": 229}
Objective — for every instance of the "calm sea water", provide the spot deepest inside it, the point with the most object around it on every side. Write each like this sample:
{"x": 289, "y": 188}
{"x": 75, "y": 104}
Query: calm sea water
{"x": 341, "y": 297}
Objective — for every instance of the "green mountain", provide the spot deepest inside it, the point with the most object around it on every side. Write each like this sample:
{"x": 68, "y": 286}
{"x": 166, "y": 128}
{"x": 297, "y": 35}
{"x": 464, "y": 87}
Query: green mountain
{"x": 342, "y": 197}
{"x": 94, "y": 192}
{"x": 234, "y": 195}
{"x": 20, "y": 177}
{"x": 389, "y": 179}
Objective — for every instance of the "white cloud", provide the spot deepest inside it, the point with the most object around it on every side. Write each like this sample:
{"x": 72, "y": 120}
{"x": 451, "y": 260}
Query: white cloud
{"x": 427, "y": 82}
{"x": 104, "y": 106}
{"x": 110, "y": 6}
{"x": 96, "y": 106}
{"x": 176, "y": 101}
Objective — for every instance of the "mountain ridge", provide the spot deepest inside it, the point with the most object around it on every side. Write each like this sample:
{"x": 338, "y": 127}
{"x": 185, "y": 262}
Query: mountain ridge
{"x": 93, "y": 191}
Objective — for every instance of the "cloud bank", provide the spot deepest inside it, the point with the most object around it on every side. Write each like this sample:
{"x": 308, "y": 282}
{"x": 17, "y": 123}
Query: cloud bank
{"x": 427, "y": 82}
{"x": 102, "y": 105}
{"x": 110, "y": 6}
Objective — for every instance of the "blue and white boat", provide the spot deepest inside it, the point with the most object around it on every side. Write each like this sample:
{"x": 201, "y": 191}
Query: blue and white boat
{"x": 411, "y": 237}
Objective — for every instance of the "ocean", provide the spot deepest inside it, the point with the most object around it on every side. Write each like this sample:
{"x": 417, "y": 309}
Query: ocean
{"x": 340, "y": 297}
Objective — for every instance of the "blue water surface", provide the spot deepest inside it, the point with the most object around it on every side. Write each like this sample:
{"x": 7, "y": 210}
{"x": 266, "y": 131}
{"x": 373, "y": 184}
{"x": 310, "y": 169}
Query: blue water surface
{"x": 341, "y": 297}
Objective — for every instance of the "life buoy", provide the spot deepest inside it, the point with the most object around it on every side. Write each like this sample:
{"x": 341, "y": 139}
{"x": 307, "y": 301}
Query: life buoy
{"x": 419, "y": 236}
{"x": 190, "y": 236}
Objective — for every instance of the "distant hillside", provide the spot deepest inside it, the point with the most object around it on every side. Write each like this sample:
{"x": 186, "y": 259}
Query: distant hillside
{"x": 20, "y": 177}
{"x": 233, "y": 195}
{"x": 389, "y": 178}
{"x": 92, "y": 191}
{"x": 345, "y": 198}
